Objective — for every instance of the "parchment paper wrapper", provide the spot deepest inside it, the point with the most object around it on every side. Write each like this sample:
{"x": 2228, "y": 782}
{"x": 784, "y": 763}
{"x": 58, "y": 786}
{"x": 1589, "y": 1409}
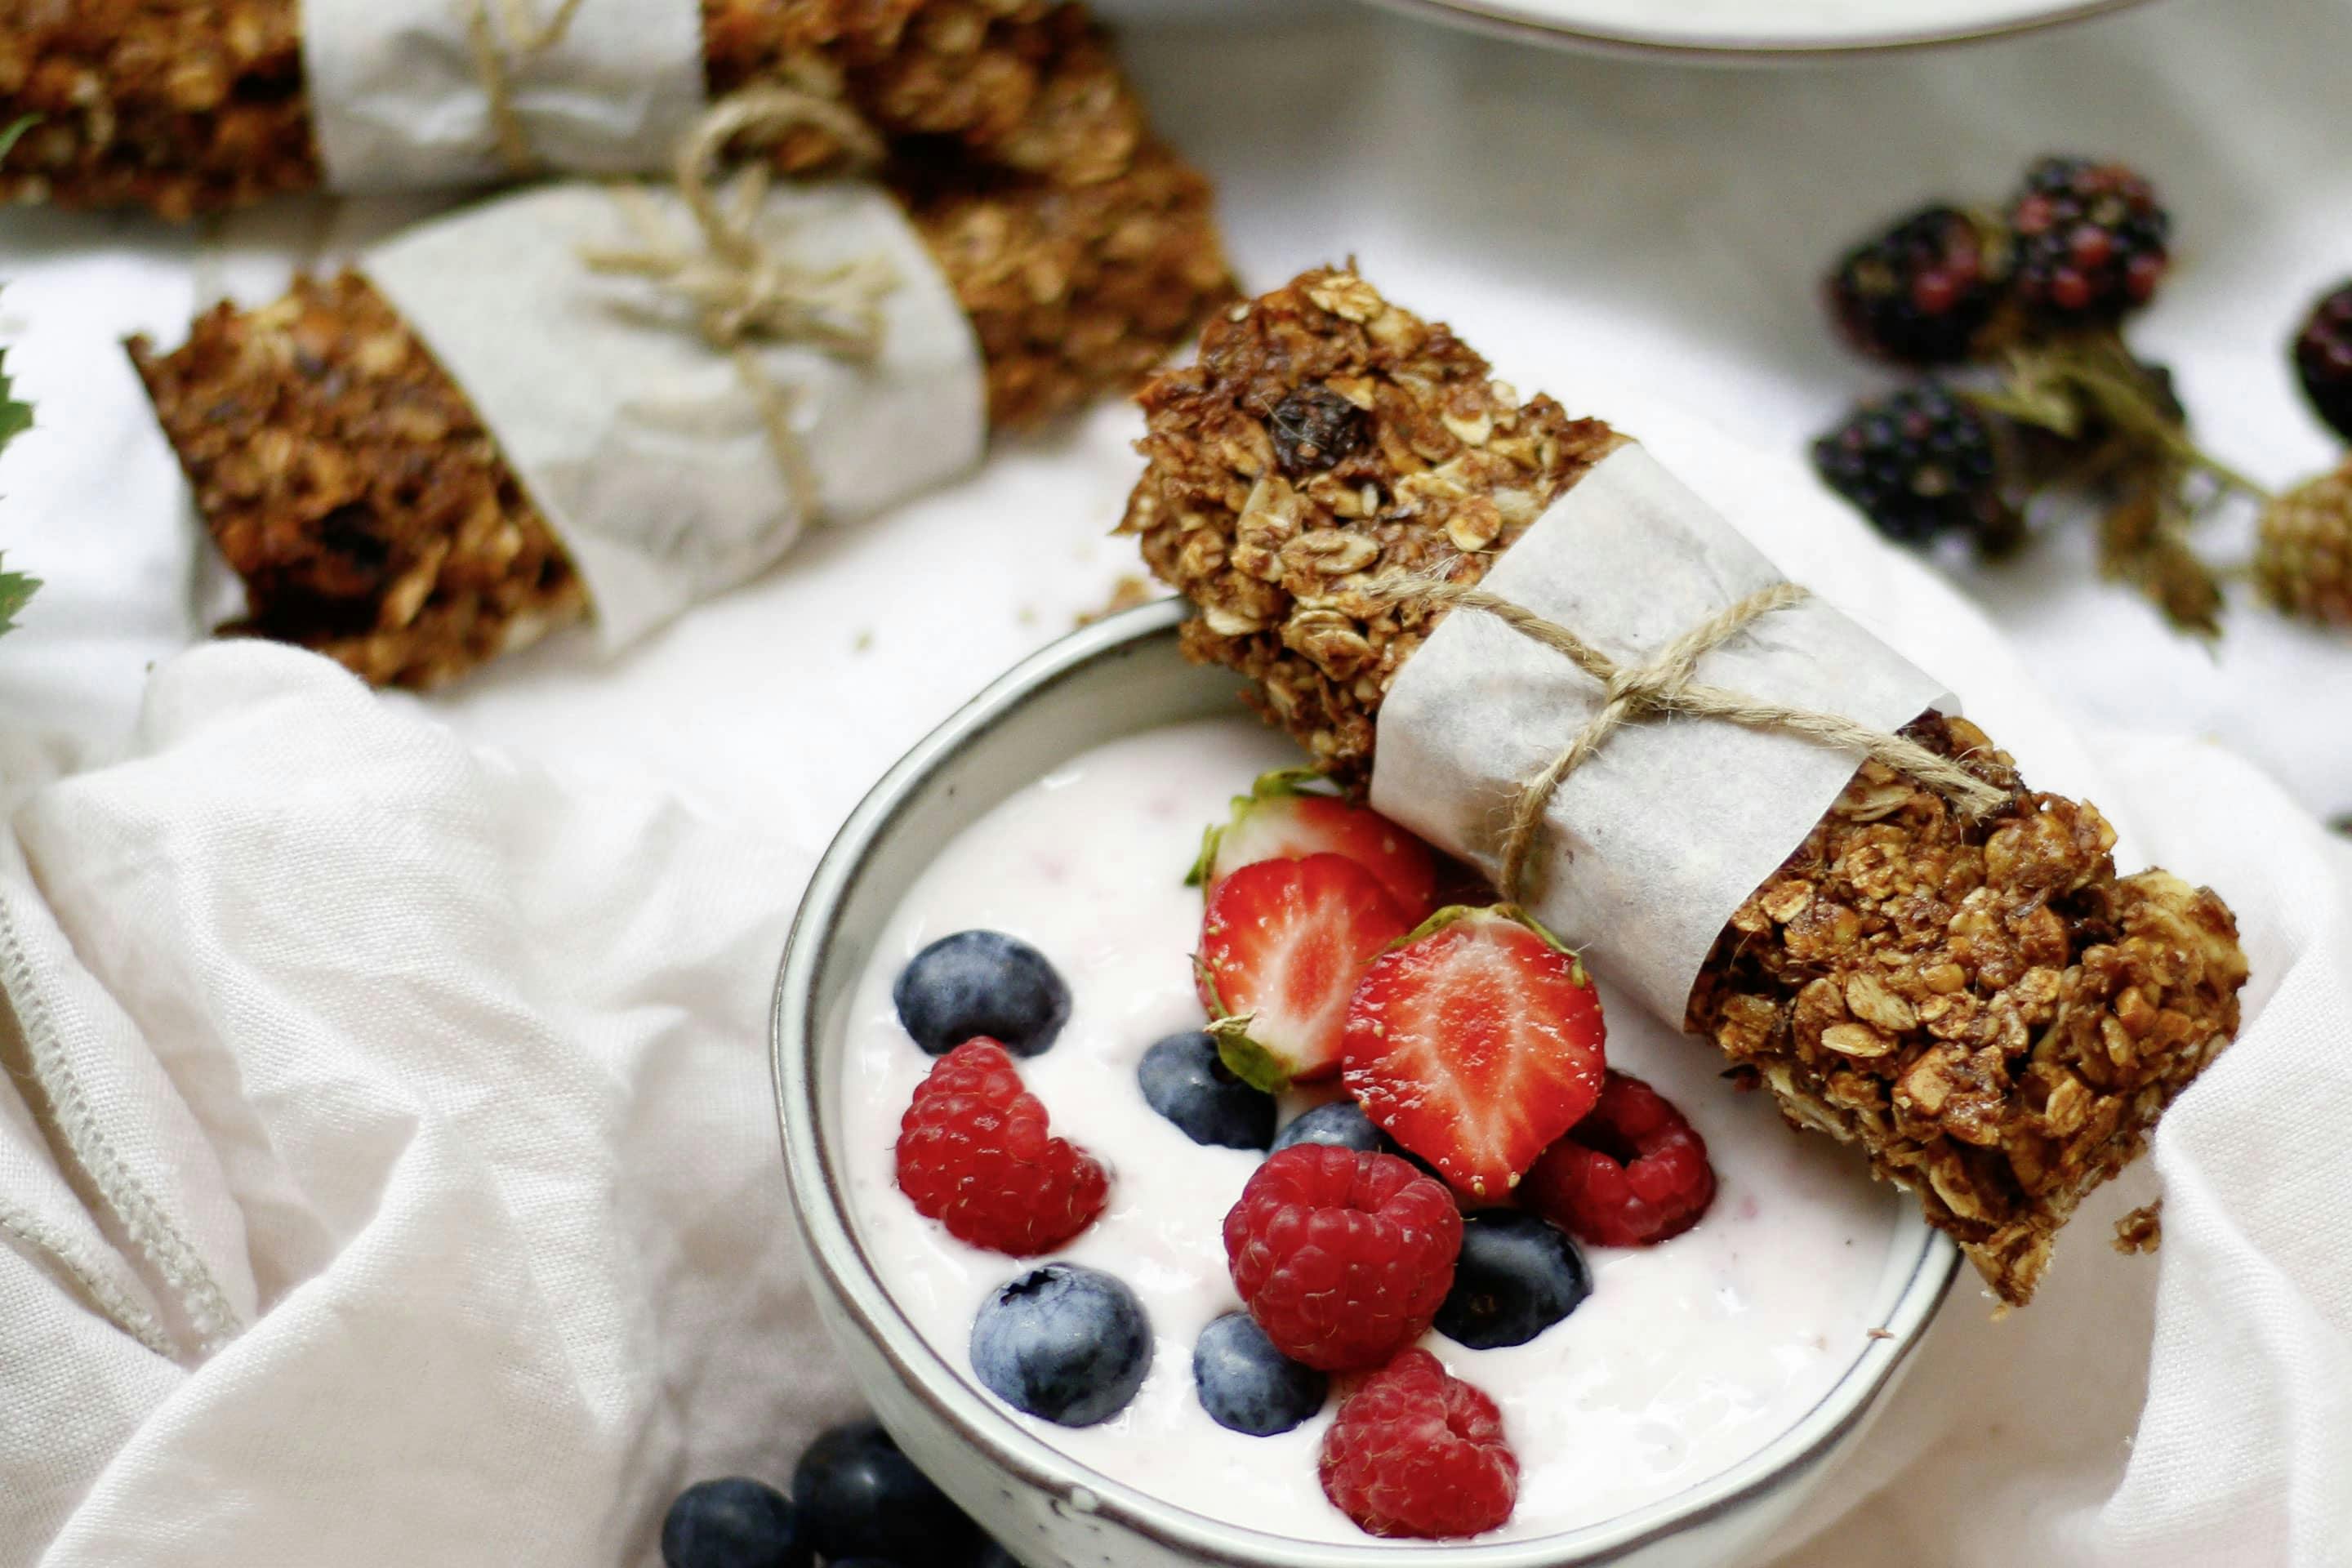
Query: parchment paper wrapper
{"x": 1653, "y": 843}
{"x": 640, "y": 442}
{"x": 398, "y": 100}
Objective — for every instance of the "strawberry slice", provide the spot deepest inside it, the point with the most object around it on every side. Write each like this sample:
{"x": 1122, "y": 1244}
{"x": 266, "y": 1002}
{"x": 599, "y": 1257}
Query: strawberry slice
{"x": 1284, "y": 817}
{"x": 1475, "y": 1043}
{"x": 1283, "y": 944}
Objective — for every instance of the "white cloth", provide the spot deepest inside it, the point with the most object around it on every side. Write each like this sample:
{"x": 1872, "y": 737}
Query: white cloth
{"x": 1603, "y": 230}
{"x": 419, "y": 1197}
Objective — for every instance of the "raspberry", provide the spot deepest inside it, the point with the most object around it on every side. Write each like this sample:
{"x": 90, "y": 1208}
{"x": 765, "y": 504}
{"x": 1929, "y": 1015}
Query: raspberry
{"x": 1924, "y": 292}
{"x": 973, "y": 1154}
{"x": 2092, "y": 241}
{"x": 2323, "y": 359}
{"x": 1342, "y": 1258}
{"x": 1632, "y": 1173}
{"x": 1919, "y": 464}
{"x": 1416, "y": 1452}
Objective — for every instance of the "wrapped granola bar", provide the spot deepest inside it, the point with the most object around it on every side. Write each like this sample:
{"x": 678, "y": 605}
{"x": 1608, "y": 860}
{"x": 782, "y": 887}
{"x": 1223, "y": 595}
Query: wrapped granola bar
{"x": 1965, "y": 988}
{"x": 192, "y": 106}
{"x": 474, "y": 439}
{"x": 468, "y": 441}
{"x": 1082, "y": 247}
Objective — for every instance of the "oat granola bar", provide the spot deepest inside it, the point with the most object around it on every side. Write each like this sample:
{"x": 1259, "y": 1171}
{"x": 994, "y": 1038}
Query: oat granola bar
{"x": 1083, "y": 248}
{"x": 351, "y": 486}
{"x": 1985, "y": 1008}
{"x": 195, "y": 106}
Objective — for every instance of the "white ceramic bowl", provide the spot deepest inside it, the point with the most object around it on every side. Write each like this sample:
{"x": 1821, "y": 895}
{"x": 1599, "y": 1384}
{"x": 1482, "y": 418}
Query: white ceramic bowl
{"x": 1744, "y": 32}
{"x": 1114, "y": 678}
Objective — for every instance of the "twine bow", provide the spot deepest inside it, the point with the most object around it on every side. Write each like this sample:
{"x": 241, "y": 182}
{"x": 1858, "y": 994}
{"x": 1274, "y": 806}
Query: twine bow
{"x": 1663, "y": 686}
{"x": 743, "y": 293}
{"x": 513, "y": 33}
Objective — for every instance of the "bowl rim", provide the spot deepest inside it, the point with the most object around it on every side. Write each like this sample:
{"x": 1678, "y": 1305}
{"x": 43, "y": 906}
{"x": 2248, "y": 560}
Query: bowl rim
{"x": 1516, "y": 21}
{"x": 835, "y": 1254}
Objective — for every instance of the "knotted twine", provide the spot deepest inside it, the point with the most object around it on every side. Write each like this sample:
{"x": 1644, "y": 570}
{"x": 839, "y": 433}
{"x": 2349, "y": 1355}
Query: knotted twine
{"x": 1664, "y": 686}
{"x": 743, "y": 293}
{"x": 514, "y": 34}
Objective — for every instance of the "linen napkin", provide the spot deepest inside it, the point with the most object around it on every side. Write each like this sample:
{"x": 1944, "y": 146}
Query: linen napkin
{"x": 404, "y": 1186}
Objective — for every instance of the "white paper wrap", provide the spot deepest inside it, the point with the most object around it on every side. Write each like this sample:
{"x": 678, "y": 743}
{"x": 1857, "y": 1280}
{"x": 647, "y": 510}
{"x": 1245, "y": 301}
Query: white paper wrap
{"x": 1651, "y": 846}
{"x": 641, "y": 444}
{"x": 399, "y": 98}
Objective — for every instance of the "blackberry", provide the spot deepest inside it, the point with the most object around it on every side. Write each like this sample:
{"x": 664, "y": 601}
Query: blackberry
{"x": 2091, "y": 241}
{"x": 1920, "y": 464}
{"x": 2323, "y": 359}
{"x": 2304, "y": 560}
{"x": 1927, "y": 291}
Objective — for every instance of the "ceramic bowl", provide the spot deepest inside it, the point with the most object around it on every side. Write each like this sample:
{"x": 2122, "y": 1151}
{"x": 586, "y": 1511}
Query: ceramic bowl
{"x": 1119, "y": 677}
{"x": 1754, "y": 32}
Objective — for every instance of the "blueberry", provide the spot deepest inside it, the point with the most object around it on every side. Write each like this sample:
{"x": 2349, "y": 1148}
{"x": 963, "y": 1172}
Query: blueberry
{"x": 1517, "y": 1277}
{"x": 1185, "y": 1082}
{"x": 982, "y": 982}
{"x": 1246, "y": 1385}
{"x": 736, "y": 1522}
{"x": 1342, "y": 1124}
{"x": 1067, "y": 1344}
{"x": 860, "y": 1497}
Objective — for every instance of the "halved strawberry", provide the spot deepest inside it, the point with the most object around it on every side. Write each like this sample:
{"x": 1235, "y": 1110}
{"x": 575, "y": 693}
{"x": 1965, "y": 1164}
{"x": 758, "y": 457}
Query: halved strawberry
{"x": 1283, "y": 944}
{"x": 1475, "y": 1043}
{"x": 1284, "y": 817}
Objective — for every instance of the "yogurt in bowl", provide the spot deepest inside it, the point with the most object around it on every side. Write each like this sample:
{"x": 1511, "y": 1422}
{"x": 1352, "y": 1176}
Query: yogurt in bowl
{"x": 1675, "y": 1413}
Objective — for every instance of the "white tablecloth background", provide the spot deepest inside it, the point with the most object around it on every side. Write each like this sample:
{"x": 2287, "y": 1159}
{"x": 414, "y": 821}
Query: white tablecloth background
{"x": 1622, "y": 235}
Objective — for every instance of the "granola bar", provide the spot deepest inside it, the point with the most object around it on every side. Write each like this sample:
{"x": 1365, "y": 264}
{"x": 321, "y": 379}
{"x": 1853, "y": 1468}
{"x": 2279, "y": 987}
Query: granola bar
{"x": 195, "y": 106}
{"x": 352, "y": 487}
{"x": 1985, "y": 1008}
{"x": 1082, "y": 248}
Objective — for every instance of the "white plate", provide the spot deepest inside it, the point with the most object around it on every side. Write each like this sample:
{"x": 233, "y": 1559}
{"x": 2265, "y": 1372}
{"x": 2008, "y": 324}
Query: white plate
{"x": 1755, "y": 29}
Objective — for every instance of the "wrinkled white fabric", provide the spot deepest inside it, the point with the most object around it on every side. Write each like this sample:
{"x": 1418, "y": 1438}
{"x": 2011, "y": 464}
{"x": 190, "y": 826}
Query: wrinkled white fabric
{"x": 1602, "y": 229}
{"x": 421, "y": 1199}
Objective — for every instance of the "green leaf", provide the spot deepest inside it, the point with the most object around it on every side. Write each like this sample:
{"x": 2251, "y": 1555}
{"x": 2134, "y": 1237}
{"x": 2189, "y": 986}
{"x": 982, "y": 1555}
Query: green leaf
{"x": 16, "y": 418}
{"x": 1198, "y": 876}
{"x": 1279, "y": 785}
{"x": 17, "y": 128}
{"x": 1519, "y": 914}
{"x": 1245, "y": 1059}
{"x": 16, "y": 591}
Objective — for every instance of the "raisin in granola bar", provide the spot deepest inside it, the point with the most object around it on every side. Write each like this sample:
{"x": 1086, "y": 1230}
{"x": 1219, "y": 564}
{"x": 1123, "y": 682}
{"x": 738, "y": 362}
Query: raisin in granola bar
{"x": 1985, "y": 1008}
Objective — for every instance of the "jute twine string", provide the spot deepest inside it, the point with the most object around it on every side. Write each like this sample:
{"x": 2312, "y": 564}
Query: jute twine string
{"x": 496, "y": 42}
{"x": 743, "y": 293}
{"x": 1663, "y": 686}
